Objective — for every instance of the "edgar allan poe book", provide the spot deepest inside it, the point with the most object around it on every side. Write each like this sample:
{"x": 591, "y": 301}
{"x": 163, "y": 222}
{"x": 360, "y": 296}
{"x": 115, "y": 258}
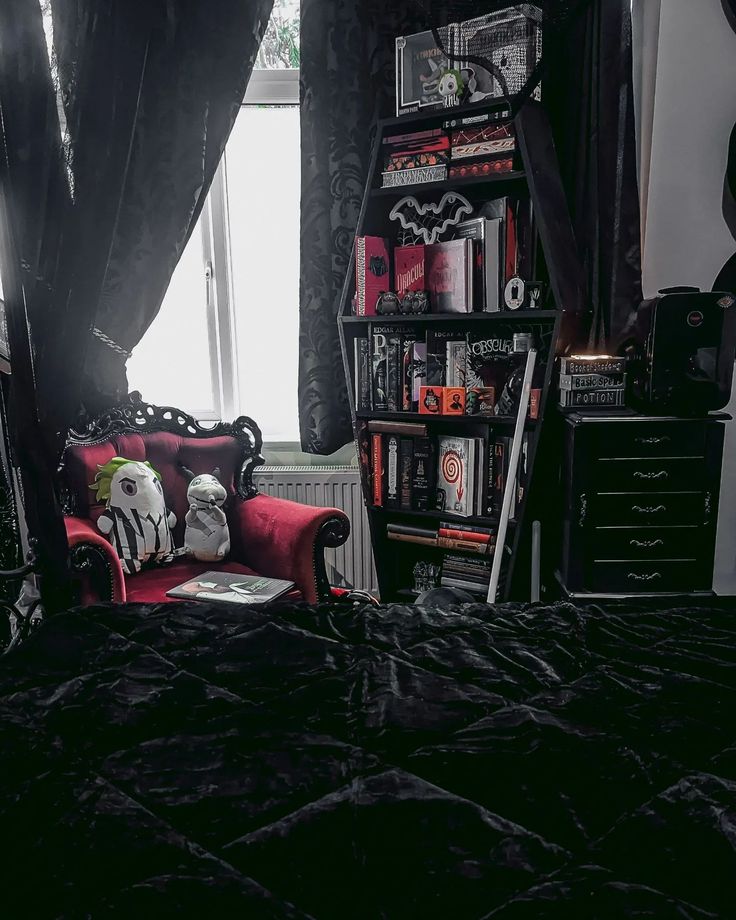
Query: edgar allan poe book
{"x": 449, "y": 276}
{"x": 385, "y": 344}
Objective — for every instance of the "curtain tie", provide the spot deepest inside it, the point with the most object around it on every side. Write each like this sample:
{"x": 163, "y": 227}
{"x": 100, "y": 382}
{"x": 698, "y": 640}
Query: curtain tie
{"x": 111, "y": 343}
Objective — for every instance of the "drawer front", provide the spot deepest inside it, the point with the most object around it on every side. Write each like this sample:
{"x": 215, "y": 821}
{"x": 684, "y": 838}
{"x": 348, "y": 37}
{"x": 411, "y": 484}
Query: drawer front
{"x": 677, "y": 474}
{"x": 650, "y": 439}
{"x": 648, "y": 509}
{"x": 647, "y": 543}
{"x": 648, "y": 577}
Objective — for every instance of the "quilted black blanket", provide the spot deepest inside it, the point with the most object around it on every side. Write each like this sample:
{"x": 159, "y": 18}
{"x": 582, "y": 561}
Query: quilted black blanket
{"x": 508, "y": 762}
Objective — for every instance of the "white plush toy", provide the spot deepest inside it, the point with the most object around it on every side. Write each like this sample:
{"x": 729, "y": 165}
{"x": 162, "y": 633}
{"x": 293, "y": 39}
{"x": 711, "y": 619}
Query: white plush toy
{"x": 136, "y": 520}
{"x": 207, "y": 537}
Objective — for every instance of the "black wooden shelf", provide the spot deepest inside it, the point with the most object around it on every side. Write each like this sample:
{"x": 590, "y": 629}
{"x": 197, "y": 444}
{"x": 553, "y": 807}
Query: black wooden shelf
{"x": 501, "y": 316}
{"x": 435, "y": 516}
{"x": 505, "y": 420}
{"x": 535, "y": 179}
{"x": 448, "y": 185}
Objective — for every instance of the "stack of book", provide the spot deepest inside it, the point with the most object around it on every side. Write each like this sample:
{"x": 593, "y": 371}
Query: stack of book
{"x": 470, "y": 573}
{"x": 450, "y": 535}
{"x": 416, "y": 157}
{"x": 409, "y": 470}
{"x": 592, "y": 381}
{"x": 438, "y": 372}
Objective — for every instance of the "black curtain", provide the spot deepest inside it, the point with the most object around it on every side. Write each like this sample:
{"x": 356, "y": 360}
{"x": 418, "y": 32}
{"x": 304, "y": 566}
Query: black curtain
{"x": 113, "y": 118}
{"x": 347, "y": 54}
{"x": 587, "y": 90}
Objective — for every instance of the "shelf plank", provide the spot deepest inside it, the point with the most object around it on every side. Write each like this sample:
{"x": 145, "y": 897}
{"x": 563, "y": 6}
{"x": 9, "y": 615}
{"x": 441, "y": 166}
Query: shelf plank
{"x": 501, "y": 316}
{"x": 434, "y": 516}
{"x": 460, "y": 419}
{"x": 448, "y": 185}
{"x": 441, "y": 113}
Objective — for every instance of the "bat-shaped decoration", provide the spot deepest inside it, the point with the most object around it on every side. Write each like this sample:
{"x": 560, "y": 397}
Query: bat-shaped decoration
{"x": 429, "y": 221}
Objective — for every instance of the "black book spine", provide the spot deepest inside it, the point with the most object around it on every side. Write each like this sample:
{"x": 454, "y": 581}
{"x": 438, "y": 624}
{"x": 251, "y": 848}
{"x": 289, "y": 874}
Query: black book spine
{"x": 362, "y": 375}
{"x": 424, "y": 474}
{"x": 406, "y": 459}
{"x": 393, "y": 373}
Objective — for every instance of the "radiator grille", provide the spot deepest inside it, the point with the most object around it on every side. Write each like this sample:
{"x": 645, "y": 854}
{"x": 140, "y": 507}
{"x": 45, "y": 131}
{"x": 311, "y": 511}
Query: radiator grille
{"x": 350, "y": 565}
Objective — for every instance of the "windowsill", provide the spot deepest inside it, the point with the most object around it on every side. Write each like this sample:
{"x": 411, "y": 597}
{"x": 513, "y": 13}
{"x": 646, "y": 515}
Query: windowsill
{"x": 289, "y": 453}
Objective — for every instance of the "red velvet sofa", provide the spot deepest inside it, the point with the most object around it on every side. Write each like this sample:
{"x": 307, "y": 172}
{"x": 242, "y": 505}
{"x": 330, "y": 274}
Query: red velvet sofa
{"x": 269, "y": 536}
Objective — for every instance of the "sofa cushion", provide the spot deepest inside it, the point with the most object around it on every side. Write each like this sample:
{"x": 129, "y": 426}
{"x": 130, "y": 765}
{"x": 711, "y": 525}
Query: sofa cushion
{"x": 151, "y": 585}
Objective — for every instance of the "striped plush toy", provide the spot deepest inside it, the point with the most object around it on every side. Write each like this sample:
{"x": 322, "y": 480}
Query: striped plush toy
{"x": 136, "y": 521}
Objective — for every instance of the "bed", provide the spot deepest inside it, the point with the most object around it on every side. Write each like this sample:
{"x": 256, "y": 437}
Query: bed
{"x": 400, "y": 762}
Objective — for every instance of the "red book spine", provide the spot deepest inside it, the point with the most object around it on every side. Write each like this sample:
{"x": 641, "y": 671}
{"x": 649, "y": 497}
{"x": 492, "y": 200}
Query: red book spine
{"x": 510, "y": 243}
{"x": 468, "y": 535}
{"x": 377, "y": 464}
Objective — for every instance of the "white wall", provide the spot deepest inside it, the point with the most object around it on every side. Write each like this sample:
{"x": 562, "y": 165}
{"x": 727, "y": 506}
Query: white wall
{"x": 686, "y": 239}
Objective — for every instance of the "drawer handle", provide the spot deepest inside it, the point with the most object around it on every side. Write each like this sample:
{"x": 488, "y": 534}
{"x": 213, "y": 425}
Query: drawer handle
{"x": 652, "y": 576}
{"x": 662, "y": 474}
{"x": 649, "y": 509}
{"x": 661, "y": 439}
{"x": 646, "y": 544}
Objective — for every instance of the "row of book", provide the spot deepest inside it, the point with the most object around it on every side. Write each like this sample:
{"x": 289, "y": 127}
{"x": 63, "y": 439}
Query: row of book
{"x": 592, "y": 381}
{"x": 481, "y": 269}
{"x": 396, "y": 364}
{"x": 465, "y": 476}
{"x": 450, "y": 535}
{"x": 482, "y": 146}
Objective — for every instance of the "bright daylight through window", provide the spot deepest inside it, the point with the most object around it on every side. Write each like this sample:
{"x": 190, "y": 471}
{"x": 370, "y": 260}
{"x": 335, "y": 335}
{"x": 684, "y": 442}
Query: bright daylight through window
{"x": 230, "y": 319}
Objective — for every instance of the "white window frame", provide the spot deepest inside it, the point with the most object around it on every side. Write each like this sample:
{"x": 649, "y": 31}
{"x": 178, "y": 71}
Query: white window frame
{"x": 266, "y": 87}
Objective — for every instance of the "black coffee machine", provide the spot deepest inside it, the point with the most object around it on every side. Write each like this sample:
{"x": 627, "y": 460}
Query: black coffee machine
{"x": 680, "y": 347}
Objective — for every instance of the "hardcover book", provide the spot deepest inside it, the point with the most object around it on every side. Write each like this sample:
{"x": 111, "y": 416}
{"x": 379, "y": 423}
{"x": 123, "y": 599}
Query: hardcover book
{"x": 362, "y": 375}
{"x": 416, "y": 176}
{"x": 406, "y": 458}
{"x": 372, "y": 273}
{"x": 487, "y": 359}
{"x": 406, "y": 383}
{"x": 394, "y": 368}
{"x": 482, "y": 140}
{"x": 449, "y": 276}
{"x": 581, "y": 398}
{"x": 455, "y": 370}
{"x": 231, "y": 588}
{"x": 423, "y": 474}
{"x": 486, "y": 234}
{"x": 391, "y": 465}
{"x": 592, "y": 381}
{"x": 409, "y": 268}
{"x": 593, "y": 364}
{"x": 377, "y": 469}
{"x": 384, "y": 369}
{"x": 418, "y": 372}
{"x": 437, "y": 342}
{"x": 455, "y": 468}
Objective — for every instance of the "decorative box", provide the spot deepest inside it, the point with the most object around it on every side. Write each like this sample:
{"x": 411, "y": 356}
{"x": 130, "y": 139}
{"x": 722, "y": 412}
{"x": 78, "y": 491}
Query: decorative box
{"x": 430, "y": 400}
{"x": 487, "y": 140}
{"x": 419, "y": 65}
{"x": 413, "y": 176}
{"x": 453, "y": 400}
{"x": 511, "y": 39}
{"x": 482, "y": 168}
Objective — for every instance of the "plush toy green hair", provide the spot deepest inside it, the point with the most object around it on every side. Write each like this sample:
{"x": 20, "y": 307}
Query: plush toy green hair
{"x": 105, "y": 472}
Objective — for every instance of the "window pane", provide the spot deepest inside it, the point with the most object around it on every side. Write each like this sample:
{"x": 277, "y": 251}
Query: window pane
{"x": 263, "y": 184}
{"x": 280, "y": 46}
{"x": 171, "y": 364}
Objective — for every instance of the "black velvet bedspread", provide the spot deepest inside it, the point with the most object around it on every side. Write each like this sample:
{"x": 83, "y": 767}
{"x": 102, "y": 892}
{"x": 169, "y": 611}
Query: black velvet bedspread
{"x": 189, "y": 760}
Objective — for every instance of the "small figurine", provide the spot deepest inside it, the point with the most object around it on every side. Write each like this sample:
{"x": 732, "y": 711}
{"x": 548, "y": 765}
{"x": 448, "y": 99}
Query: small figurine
{"x": 387, "y": 303}
{"x": 207, "y": 537}
{"x": 451, "y": 87}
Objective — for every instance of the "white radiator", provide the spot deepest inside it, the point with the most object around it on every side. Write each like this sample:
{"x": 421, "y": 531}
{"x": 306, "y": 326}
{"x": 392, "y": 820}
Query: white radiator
{"x": 350, "y": 565}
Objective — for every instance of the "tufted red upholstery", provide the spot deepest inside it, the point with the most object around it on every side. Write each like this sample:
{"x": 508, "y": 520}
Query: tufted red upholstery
{"x": 269, "y": 536}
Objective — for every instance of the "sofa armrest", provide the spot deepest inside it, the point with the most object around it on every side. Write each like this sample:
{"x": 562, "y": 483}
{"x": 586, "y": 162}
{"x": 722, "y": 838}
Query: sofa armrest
{"x": 87, "y": 549}
{"x": 285, "y": 539}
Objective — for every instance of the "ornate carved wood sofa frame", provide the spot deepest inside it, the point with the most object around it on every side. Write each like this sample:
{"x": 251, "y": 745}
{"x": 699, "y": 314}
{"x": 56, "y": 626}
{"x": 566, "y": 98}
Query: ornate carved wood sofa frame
{"x": 269, "y": 536}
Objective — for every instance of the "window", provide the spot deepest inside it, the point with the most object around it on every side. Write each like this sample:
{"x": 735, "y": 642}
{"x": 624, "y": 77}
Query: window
{"x": 232, "y": 305}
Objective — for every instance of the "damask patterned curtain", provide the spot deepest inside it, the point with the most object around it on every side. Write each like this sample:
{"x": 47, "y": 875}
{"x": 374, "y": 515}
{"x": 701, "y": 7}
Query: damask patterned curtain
{"x": 114, "y": 116}
{"x": 347, "y": 53}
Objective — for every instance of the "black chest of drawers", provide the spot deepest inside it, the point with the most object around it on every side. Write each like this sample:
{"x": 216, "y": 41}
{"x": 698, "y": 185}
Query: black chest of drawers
{"x": 640, "y": 505}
